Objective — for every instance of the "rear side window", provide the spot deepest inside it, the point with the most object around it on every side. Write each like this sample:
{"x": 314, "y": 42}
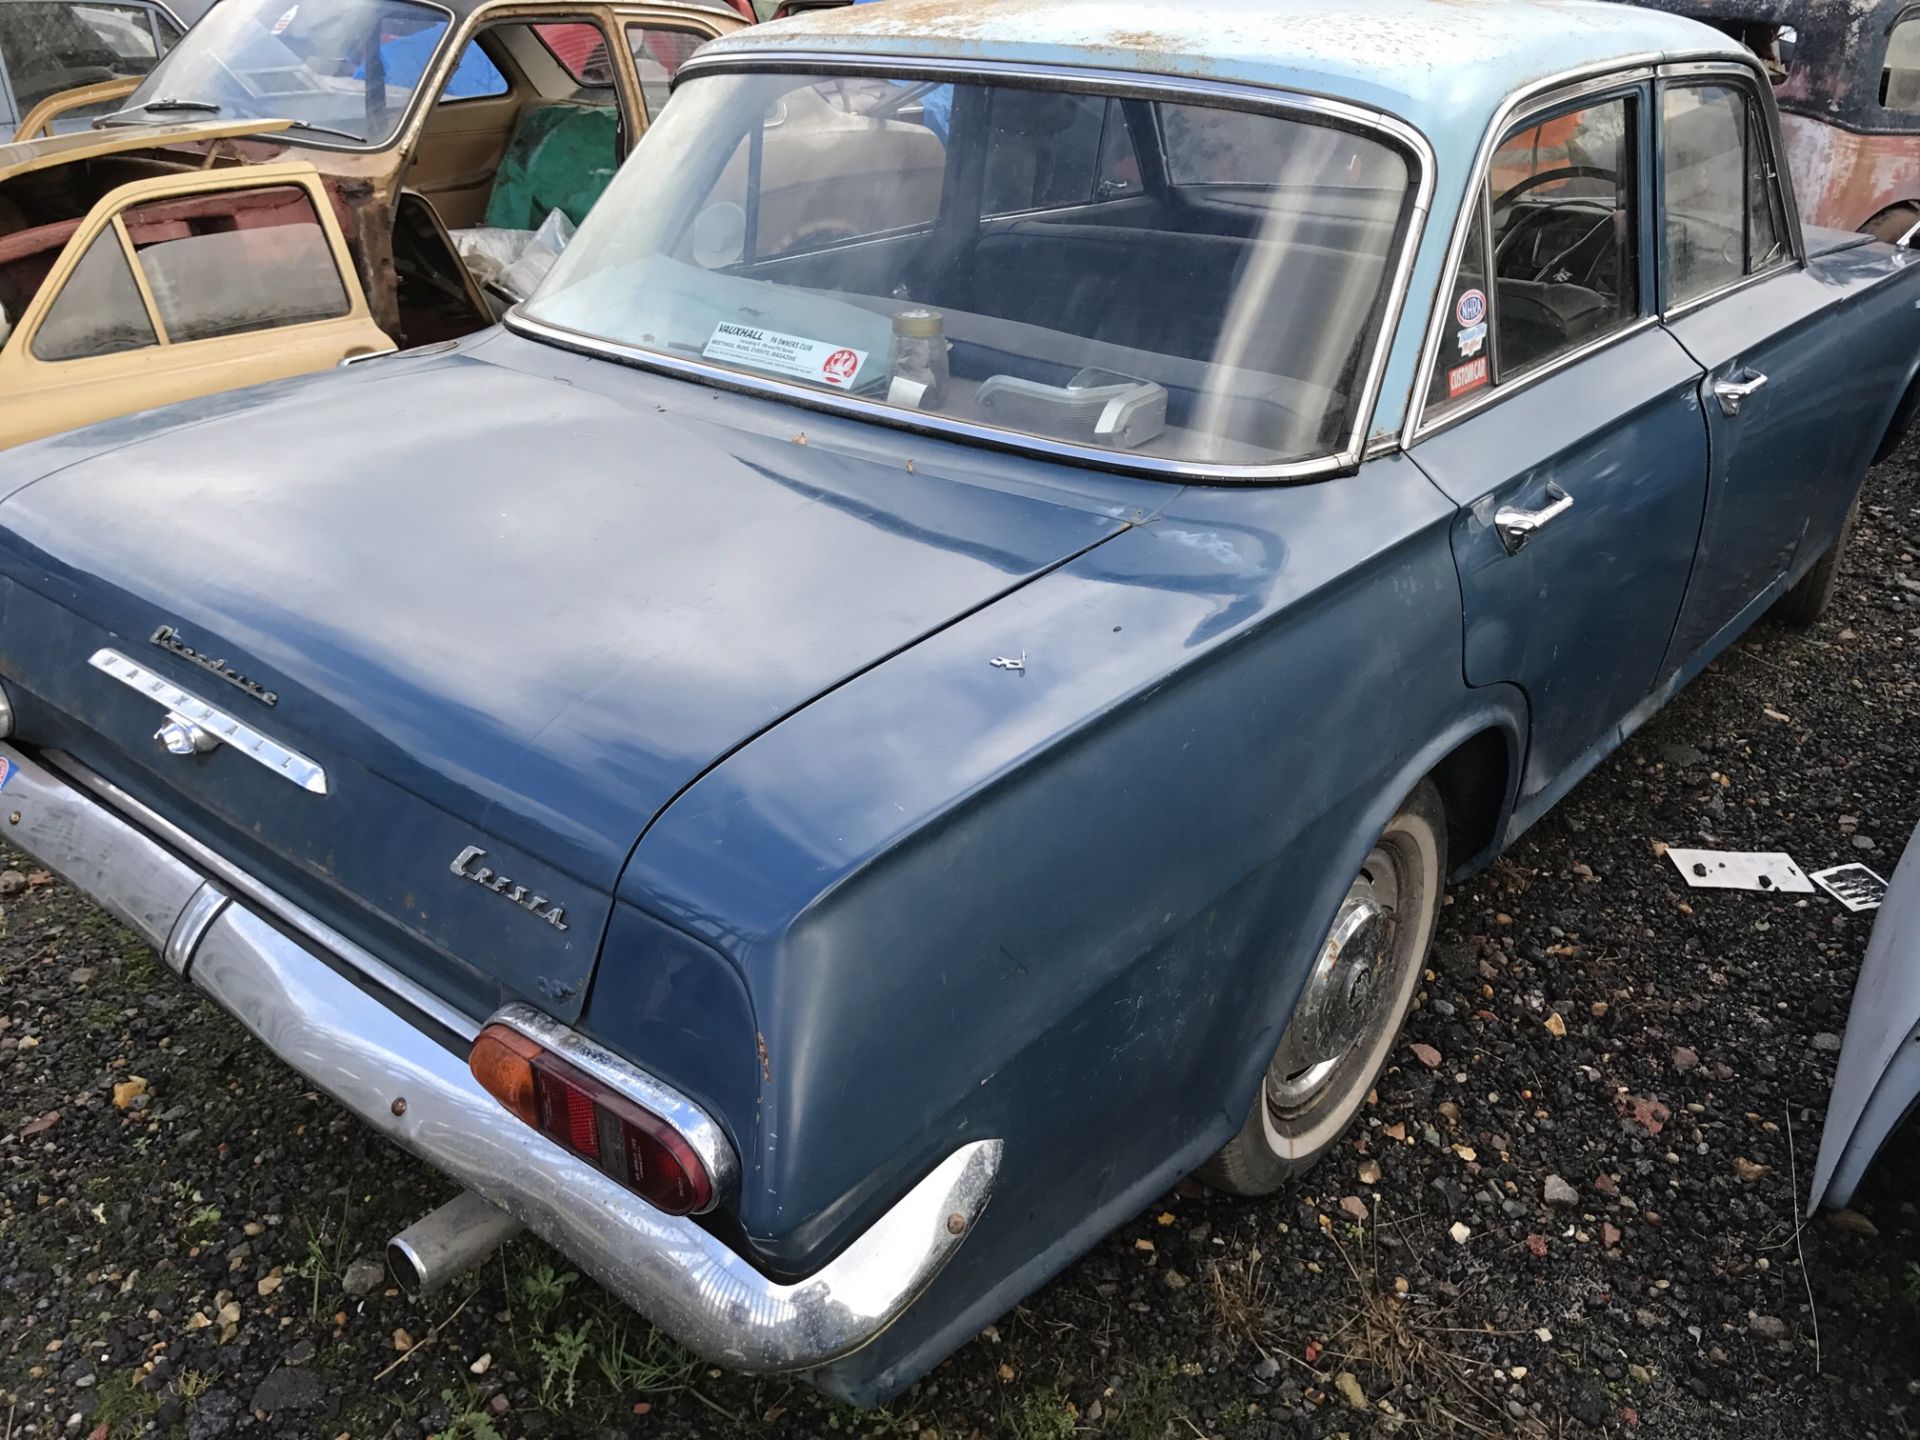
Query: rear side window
{"x": 658, "y": 55}
{"x": 1900, "y": 80}
{"x": 236, "y": 261}
{"x": 581, "y": 50}
{"x": 1723, "y": 212}
{"x": 1048, "y": 149}
{"x": 99, "y": 310}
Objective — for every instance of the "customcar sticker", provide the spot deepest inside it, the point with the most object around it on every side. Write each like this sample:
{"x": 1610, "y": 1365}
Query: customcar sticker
{"x": 1470, "y": 376}
{"x": 815, "y": 360}
{"x": 1471, "y": 308}
{"x": 1471, "y": 339}
{"x": 7, "y": 771}
{"x": 280, "y": 25}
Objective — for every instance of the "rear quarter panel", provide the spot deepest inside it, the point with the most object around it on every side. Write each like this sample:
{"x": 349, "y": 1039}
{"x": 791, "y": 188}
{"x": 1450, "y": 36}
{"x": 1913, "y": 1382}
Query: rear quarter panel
{"x": 1070, "y": 905}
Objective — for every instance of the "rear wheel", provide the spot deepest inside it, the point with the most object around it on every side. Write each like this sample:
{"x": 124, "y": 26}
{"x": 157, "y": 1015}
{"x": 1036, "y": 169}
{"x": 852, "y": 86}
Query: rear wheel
{"x": 1348, "y": 1016}
{"x": 1807, "y": 601}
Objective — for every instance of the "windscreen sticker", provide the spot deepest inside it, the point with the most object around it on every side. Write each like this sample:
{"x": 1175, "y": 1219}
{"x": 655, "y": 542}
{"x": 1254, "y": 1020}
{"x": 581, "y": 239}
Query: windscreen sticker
{"x": 1471, "y": 308}
{"x": 804, "y": 359}
{"x": 1471, "y": 340}
{"x": 1470, "y": 376}
{"x": 280, "y": 25}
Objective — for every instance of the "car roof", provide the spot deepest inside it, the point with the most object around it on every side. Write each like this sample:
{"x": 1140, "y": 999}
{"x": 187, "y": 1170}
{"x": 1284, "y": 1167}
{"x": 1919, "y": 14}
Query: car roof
{"x": 1435, "y": 63}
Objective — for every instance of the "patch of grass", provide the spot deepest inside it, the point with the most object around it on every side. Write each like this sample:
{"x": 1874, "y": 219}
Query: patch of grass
{"x": 470, "y": 1423}
{"x": 122, "y": 1406}
{"x": 324, "y": 1262}
{"x": 202, "y": 1225}
{"x": 651, "y": 1365}
{"x": 1147, "y": 1407}
{"x": 1042, "y": 1414}
{"x": 192, "y": 1384}
{"x": 1239, "y": 1304}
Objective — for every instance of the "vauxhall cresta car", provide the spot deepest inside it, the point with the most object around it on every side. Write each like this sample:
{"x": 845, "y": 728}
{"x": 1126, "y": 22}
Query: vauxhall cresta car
{"x": 892, "y": 711}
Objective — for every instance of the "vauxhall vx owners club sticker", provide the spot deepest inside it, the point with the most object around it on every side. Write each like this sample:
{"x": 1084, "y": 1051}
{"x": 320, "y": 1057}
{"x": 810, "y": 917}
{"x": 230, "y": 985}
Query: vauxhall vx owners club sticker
{"x": 795, "y": 355}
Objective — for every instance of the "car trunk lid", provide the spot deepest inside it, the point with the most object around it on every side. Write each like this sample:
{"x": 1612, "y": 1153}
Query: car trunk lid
{"x": 508, "y": 618}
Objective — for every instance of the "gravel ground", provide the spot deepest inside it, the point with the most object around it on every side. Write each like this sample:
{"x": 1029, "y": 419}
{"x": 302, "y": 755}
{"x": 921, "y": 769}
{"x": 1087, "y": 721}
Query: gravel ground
{"x": 1570, "y": 1210}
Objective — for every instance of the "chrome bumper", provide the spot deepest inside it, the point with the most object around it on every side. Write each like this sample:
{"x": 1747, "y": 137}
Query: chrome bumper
{"x": 325, "y": 1023}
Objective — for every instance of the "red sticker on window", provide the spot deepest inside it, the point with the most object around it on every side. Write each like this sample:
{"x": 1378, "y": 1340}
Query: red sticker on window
{"x": 839, "y": 367}
{"x": 1470, "y": 376}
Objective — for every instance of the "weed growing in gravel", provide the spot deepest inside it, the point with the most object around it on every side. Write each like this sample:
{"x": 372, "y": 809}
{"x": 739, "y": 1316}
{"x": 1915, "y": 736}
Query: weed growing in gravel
{"x": 1239, "y": 1304}
{"x": 560, "y": 1356}
{"x": 468, "y": 1424}
{"x": 322, "y": 1263}
{"x": 203, "y": 1224}
{"x": 1042, "y": 1414}
{"x": 122, "y": 1407}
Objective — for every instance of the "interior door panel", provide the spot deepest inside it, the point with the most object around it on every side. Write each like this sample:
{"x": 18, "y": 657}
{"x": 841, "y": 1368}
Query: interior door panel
{"x": 459, "y": 153}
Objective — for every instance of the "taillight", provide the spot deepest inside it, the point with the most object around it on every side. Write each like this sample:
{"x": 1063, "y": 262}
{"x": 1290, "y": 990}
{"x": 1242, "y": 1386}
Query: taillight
{"x": 625, "y": 1140}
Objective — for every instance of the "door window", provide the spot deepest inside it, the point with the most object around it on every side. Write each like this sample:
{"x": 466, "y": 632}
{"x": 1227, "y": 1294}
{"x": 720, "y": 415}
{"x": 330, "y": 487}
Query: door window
{"x": 50, "y": 47}
{"x": 658, "y": 55}
{"x": 99, "y": 310}
{"x": 1552, "y": 261}
{"x": 1724, "y": 219}
{"x": 236, "y": 261}
{"x": 1048, "y": 149}
{"x": 1900, "y": 80}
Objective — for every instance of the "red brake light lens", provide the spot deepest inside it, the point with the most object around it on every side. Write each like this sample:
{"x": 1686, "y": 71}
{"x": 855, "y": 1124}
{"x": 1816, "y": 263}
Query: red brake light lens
{"x": 625, "y": 1140}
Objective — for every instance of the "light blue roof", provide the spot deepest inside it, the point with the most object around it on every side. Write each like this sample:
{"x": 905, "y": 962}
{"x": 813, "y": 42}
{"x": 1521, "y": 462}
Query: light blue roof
{"x": 1444, "y": 67}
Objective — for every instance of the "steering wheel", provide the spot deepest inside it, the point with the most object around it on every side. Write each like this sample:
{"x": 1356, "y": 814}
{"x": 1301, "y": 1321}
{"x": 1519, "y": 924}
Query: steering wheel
{"x": 1534, "y": 218}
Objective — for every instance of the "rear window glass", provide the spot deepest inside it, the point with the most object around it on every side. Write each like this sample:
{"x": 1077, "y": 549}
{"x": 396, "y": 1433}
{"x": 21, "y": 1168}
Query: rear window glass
{"x": 986, "y": 253}
{"x": 235, "y": 261}
{"x": 581, "y": 50}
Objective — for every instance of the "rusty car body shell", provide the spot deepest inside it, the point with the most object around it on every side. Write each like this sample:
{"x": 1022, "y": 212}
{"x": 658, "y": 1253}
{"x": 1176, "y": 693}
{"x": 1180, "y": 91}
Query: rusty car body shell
{"x": 1855, "y": 162}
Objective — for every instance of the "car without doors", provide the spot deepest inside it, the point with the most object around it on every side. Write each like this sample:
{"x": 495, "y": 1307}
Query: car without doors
{"x": 277, "y": 195}
{"x": 890, "y": 713}
{"x": 1847, "y": 78}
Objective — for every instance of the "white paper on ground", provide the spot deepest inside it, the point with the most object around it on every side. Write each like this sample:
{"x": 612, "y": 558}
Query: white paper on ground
{"x": 1740, "y": 870}
{"x": 1854, "y": 886}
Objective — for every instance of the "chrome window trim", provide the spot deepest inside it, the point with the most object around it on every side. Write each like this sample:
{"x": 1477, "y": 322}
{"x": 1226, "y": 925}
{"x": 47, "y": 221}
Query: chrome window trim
{"x": 1534, "y": 376}
{"x": 355, "y": 957}
{"x": 1261, "y": 99}
{"x": 1760, "y": 92}
{"x": 1626, "y": 71}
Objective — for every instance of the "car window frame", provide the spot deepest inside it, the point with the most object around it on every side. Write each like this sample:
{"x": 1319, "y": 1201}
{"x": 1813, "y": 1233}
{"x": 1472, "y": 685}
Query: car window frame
{"x": 1906, "y": 15}
{"x": 1522, "y": 111}
{"x": 1356, "y": 443}
{"x": 1760, "y": 106}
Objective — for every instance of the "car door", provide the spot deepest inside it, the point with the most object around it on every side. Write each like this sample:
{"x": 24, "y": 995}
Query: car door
{"x": 659, "y": 42}
{"x": 1782, "y": 419}
{"x": 1566, "y": 425}
{"x": 182, "y": 286}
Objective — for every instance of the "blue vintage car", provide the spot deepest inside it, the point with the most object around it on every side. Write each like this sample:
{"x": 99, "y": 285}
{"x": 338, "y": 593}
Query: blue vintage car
{"x": 929, "y": 683}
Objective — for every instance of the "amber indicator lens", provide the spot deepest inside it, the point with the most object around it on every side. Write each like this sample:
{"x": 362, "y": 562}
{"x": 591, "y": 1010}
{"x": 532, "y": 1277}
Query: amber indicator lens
{"x": 624, "y": 1139}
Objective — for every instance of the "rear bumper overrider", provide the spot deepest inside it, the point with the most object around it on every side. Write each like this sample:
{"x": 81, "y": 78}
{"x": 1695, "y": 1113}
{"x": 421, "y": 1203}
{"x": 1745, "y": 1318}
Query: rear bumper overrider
{"x": 326, "y": 1008}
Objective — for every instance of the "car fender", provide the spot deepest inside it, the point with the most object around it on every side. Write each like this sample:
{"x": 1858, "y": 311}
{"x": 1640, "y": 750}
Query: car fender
{"x": 1878, "y": 1078}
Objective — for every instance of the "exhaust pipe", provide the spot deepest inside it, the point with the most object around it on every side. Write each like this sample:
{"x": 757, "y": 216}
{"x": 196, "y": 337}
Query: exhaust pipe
{"x": 448, "y": 1242}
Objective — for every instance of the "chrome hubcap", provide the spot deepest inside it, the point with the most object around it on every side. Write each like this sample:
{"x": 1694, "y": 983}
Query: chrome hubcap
{"x": 1347, "y": 996}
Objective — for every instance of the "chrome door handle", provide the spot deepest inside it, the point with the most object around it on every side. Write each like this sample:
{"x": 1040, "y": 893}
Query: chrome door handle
{"x": 1730, "y": 393}
{"x": 1517, "y": 526}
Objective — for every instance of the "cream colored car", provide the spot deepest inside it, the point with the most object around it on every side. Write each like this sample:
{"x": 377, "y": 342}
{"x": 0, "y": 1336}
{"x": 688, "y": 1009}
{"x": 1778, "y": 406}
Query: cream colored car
{"x": 169, "y": 286}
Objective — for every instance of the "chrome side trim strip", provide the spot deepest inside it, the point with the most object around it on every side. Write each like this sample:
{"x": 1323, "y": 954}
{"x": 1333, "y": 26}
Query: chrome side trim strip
{"x": 1243, "y": 96}
{"x": 667, "y": 1267}
{"x": 357, "y": 957}
{"x": 211, "y": 720}
{"x": 709, "y": 1141}
{"x": 370, "y": 1057}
